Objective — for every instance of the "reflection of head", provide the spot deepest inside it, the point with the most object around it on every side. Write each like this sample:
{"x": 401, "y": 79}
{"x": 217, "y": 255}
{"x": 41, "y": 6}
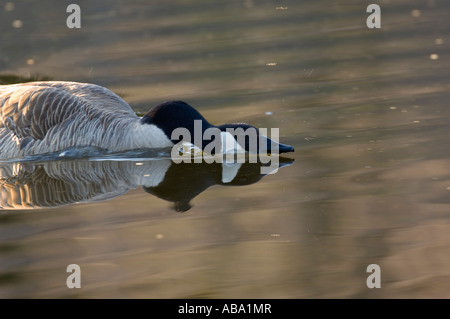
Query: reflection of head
{"x": 185, "y": 181}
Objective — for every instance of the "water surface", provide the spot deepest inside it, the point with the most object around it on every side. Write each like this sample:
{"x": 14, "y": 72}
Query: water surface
{"x": 366, "y": 110}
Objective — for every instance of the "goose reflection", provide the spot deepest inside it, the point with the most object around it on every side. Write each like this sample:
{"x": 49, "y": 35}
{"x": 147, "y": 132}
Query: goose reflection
{"x": 29, "y": 185}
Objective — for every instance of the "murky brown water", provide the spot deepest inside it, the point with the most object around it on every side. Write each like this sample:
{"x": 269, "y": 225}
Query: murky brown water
{"x": 366, "y": 110}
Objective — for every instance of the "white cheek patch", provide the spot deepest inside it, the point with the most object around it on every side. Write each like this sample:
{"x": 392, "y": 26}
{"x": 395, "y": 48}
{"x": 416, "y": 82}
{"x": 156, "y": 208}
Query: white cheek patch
{"x": 229, "y": 171}
{"x": 229, "y": 143}
{"x": 153, "y": 137}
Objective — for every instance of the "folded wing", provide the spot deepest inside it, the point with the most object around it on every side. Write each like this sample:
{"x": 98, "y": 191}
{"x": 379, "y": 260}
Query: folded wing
{"x": 31, "y": 110}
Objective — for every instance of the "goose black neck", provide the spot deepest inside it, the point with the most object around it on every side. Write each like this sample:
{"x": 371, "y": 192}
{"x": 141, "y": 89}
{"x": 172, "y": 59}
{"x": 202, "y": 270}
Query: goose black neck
{"x": 173, "y": 115}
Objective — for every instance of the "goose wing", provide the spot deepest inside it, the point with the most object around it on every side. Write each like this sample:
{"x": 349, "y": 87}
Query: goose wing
{"x": 30, "y": 110}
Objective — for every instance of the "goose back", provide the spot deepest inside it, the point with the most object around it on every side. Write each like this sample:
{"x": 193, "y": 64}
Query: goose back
{"x": 42, "y": 117}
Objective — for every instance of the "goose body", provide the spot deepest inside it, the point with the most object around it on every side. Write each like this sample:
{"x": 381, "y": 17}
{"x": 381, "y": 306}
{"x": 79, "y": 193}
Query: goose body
{"x": 43, "y": 117}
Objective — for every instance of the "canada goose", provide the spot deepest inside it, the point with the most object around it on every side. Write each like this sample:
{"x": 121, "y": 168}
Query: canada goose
{"x": 45, "y": 117}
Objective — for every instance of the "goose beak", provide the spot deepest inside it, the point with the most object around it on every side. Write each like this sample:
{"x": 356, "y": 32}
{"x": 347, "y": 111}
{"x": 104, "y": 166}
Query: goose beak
{"x": 278, "y": 148}
{"x": 283, "y": 148}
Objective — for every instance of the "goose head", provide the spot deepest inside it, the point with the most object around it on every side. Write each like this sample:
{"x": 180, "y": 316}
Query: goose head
{"x": 180, "y": 122}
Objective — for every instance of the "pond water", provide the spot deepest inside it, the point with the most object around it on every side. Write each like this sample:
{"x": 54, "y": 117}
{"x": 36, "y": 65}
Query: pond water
{"x": 365, "y": 109}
